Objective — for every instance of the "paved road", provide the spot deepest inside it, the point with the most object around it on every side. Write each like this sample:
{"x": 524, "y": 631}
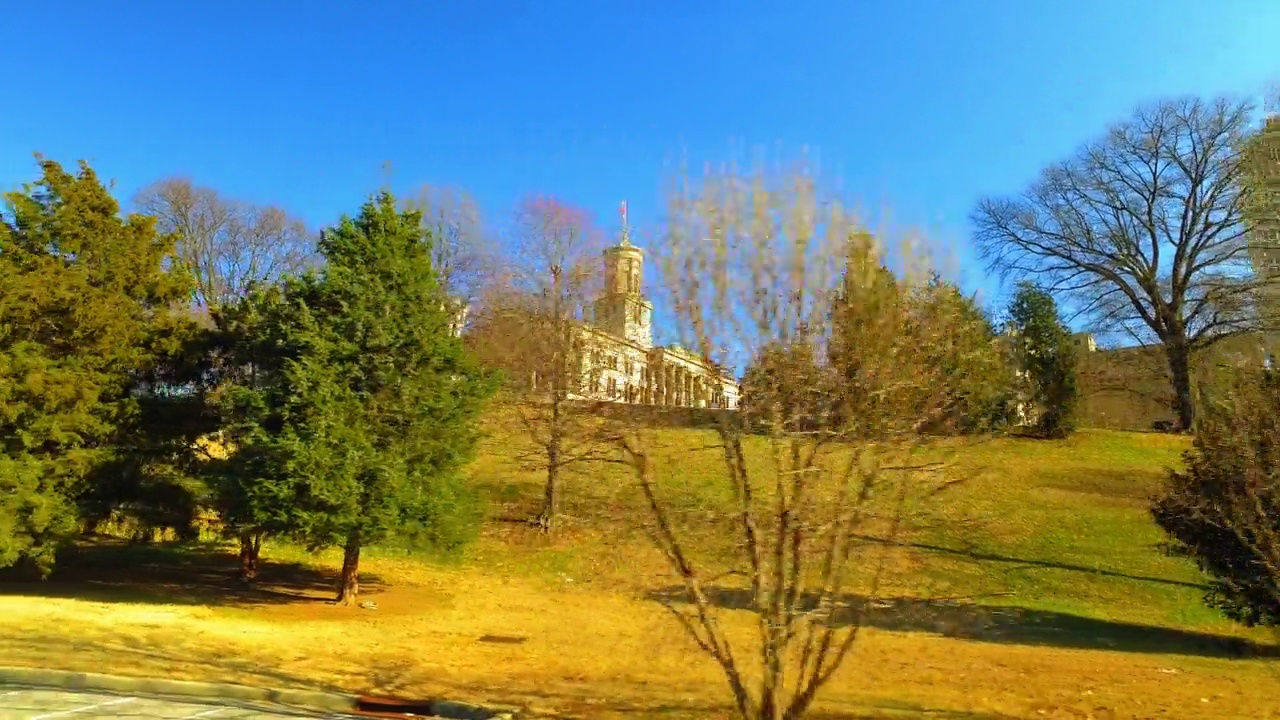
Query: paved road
{"x": 42, "y": 704}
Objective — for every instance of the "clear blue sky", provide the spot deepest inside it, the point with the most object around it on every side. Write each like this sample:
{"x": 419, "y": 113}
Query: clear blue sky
{"x": 921, "y": 106}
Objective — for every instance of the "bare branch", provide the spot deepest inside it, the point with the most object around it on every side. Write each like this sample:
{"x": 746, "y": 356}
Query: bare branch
{"x": 766, "y": 266}
{"x": 227, "y": 244}
{"x": 531, "y": 321}
{"x": 463, "y": 250}
{"x": 1143, "y": 229}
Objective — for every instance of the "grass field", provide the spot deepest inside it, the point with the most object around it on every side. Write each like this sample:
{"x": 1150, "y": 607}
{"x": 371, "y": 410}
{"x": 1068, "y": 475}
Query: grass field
{"x": 1038, "y": 591}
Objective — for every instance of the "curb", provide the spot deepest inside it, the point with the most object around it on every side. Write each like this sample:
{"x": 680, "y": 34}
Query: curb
{"x": 302, "y": 701}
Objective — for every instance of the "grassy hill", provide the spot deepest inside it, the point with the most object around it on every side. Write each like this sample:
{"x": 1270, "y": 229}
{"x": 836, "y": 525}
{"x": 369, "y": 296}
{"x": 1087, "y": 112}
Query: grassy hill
{"x": 1036, "y": 589}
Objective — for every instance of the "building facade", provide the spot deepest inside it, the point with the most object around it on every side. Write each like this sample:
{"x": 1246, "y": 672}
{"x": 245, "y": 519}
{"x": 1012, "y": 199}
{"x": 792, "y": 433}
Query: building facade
{"x": 619, "y": 362}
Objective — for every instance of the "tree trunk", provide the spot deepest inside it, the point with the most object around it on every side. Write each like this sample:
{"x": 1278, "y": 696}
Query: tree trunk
{"x": 349, "y": 585}
{"x": 1180, "y": 373}
{"x": 551, "y": 491}
{"x": 250, "y": 550}
{"x": 550, "y": 497}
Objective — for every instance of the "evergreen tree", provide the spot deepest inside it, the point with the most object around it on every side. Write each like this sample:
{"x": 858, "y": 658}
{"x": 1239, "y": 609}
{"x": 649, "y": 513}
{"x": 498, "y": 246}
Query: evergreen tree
{"x": 87, "y": 310}
{"x": 377, "y": 401}
{"x": 970, "y": 359}
{"x": 248, "y": 478}
{"x": 1046, "y": 357}
{"x": 1223, "y": 509}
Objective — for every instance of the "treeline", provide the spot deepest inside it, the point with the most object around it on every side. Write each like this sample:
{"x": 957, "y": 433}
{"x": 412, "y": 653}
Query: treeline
{"x": 1015, "y": 368}
{"x": 212, "y": 359}
{"x": 210, "y": 362}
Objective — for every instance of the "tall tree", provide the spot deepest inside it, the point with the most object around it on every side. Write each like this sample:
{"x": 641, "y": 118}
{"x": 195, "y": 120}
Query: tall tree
{"x": 227, "y": 244}
{"x": 1046, "y": 358}
{"x": 1143, "y": 229}
{"x": 381, "y": 401}
{"x": 86, "y": 310}
{"x": 763, "y": 262}
{"x": 972, "y": 359}
{"x": 248, "y": 476}
{"x": 462, "y": 249}
{"x": 532, "y": 325}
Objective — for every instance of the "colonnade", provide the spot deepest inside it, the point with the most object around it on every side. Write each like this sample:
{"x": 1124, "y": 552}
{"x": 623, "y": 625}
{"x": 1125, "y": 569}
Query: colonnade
{"x": 681, "y": 387}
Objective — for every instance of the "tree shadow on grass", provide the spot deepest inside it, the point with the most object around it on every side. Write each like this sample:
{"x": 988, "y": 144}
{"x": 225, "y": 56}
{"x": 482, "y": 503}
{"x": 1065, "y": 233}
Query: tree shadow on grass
{"x": 181, "y": 659}
{"x": 978, "y": 556}
{"x": 110, "y": 570}
{"x": 1012, "y": 625}
{"x": 579, "y": 701}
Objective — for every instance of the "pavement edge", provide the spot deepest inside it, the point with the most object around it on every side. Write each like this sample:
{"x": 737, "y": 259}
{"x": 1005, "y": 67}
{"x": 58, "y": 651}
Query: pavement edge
{"x": 303, "y": 700}
{"x": 310, "y": 701}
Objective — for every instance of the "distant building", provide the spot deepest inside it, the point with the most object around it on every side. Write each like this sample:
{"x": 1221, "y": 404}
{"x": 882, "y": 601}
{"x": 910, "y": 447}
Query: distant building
{"x": 620, "y": 362}
{"x": 1085, "y": 342}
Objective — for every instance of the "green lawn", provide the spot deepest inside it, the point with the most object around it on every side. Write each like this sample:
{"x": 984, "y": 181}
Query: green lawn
{"x": 1035, "y": 588}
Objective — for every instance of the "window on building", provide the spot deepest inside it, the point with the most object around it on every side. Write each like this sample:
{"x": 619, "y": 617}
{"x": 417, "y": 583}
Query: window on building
{"x": 613, "y": 388}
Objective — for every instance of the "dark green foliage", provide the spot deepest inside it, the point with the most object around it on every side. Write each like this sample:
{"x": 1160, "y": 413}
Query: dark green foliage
{"x": 248, "y": 480}
{"x": 878, "y": 318}
{"x": 1045, "y": 353}
{"x": 1224, "y": 509}
{"x": 87, "y": 312}
{"x": 362, "y": 406}
{"x": 785, "y": 390}
{"x": 977, "y": 373}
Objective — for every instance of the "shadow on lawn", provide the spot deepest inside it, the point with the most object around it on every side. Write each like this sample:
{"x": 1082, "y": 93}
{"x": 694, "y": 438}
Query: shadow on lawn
{"x": 108, "y": 570}
{"x": 176, "y": 658}
{"x": 1013, "y": 625}
{"x": 985, "y": 557}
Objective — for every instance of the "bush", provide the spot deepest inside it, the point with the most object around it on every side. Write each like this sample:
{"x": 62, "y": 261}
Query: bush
{"x": 1224, "y": 509}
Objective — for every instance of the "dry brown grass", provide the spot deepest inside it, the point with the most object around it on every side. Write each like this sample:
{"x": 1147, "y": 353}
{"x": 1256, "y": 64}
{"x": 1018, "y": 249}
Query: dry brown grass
{"x": 591, "y": 652}
{"x": 1100, "y": 625}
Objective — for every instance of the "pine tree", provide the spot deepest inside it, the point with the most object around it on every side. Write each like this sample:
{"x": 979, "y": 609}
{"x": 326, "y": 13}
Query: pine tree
{"x": 970, "y": 359}
{"x": 1046, "y": 356}
{"x": 249, "y": 479}
{"x": 379, "y": 402}
{"x": 87, "y": 303}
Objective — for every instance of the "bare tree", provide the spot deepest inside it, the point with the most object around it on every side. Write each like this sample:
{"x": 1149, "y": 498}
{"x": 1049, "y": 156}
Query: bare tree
{"x": 533, "y": 322}
{"x": 463, "y": 251}
{"x": 228, "y": 244}
{"x": 757, "y": 263}
{"x": 1143, "y": 229}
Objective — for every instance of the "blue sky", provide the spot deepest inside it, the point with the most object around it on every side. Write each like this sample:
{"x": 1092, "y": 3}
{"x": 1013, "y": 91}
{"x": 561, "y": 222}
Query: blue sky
{"x": 919, "y": 106}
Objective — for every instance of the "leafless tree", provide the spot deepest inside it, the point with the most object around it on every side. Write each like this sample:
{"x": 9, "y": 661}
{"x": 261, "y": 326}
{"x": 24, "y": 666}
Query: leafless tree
{"x": 752, "y": 263}
{"x": 463, "y": 250}
{"x": 532, "y": 322}
{"x": 1143, "y": 230}
{"x": 228, "y": 244}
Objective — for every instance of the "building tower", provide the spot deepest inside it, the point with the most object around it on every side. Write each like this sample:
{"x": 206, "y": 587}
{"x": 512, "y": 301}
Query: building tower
{"x": 1263, "y": 220}
{"x": 622, "y": 309}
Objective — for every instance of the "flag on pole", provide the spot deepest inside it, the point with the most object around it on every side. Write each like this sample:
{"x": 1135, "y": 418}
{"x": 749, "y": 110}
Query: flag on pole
{"x": 624, "y": 213}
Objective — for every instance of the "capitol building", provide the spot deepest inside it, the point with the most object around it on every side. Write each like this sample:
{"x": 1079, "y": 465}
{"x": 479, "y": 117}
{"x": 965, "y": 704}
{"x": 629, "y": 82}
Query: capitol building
{"x": 619, "y": 360}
